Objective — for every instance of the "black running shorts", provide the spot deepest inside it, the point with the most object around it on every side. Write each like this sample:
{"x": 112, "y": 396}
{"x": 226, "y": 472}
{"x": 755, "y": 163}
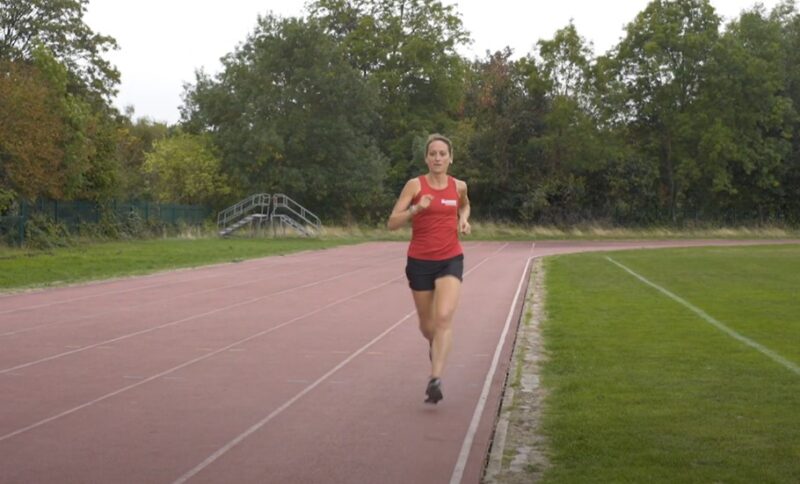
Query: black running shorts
{"x": 422, "y": 273}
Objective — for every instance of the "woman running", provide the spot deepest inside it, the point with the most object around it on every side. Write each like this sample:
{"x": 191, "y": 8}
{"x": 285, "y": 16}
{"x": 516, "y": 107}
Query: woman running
{"x": 438, "y": 208}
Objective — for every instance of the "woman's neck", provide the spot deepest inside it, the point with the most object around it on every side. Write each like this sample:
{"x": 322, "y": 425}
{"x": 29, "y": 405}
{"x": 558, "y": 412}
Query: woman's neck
{"x": 437, "y": 180}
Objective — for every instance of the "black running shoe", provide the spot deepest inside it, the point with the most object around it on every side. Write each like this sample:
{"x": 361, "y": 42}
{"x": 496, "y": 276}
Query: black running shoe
{"x": 434, "y": 391}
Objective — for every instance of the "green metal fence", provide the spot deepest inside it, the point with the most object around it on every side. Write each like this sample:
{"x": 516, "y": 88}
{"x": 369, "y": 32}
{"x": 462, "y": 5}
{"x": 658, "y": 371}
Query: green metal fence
{"x": 73, "y": 214}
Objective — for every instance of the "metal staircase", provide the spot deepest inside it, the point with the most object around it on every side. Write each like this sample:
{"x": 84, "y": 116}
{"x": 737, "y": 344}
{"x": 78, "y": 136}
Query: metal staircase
{"x": 262, "y": 209}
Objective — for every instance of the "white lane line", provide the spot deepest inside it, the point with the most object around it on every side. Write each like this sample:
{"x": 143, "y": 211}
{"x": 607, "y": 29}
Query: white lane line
{"x": 152, "y": 301}
{"x": 173, "y": 323}
{"x": 271, "y": 260}
{"x": 136, "y": 306}
{"x": 717, "y": 324}
{"x": 108, "y": 293}
{"x": 188, "y": 363}
{"x": 233, "y": 443}
{"x": 238, "y": 439}
{"x": 461, "y": 463}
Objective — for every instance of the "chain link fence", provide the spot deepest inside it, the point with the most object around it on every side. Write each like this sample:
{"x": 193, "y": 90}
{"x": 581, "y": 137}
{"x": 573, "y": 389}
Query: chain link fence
{"x": 73, "y": 215}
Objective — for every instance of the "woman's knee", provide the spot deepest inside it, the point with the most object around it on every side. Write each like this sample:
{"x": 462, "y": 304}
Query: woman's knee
{"x": 443, "y": 320}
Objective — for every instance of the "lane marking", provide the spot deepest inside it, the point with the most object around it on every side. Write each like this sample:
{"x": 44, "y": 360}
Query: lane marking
{"x": 151, "y": 286}
{"x": 186, "y": 363}
{"x": 173, "y": 323}
{"x": 466, "y": 446}
{"x": 126, "y": 309}
{"x": 233, "y": 443}
{"x": 152, "y": 301}
{"x": 238, "y": 439}
{"x": 794, "y": 368}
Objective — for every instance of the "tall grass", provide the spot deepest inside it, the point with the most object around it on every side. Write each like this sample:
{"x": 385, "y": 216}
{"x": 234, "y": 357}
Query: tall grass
{"x": 487, "y": 230}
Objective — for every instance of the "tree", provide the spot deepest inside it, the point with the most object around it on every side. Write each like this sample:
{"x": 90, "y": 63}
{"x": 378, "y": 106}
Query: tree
{"x": 747, "y": 141}
{"x": 569, "y": 144}
{"x": 786, "y": 15}
{"x": 407, "y": 50}
{"x": 51, "y": 37}
{"x": 290, "y": 114}
{"x": 31, "y": 133}
{"x": 135, "y": 140}
{"x": 503, "y": 107}
{"x": 58, "y": 26}
{"x": 183, "y": 168}
{"x": 661, "y": 64}
{"x": 89, "y": 168}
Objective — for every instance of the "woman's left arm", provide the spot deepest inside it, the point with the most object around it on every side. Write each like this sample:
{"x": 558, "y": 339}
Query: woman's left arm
{"x": 463, "y": 208}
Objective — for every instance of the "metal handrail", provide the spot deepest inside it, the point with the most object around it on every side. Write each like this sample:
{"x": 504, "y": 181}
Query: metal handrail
{"x": 259, "y": 200}
{"x": 279, "y": 200}
{"x": 285, "y": 220}
{"x": 296, "y": 216}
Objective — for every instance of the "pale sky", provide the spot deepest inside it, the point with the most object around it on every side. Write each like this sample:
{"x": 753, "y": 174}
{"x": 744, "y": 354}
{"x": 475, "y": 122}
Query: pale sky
{"x": 163, "y": 42}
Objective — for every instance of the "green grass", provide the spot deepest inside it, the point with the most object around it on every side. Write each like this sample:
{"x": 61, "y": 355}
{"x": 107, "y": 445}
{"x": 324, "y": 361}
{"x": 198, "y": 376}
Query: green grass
{"x": 641, "y": 389}
{"x": 24, "y": 269}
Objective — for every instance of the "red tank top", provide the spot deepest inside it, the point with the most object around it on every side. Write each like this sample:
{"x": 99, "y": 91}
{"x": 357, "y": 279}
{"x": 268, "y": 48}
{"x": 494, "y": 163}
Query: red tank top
{"x": 434, "y": 231}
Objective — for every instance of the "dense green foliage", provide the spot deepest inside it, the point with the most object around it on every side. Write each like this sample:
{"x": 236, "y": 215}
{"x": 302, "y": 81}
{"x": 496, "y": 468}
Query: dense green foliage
{"x": 684, "y": 121}
{"x": 183, "y": 168}
{"x": 58, "y": 133}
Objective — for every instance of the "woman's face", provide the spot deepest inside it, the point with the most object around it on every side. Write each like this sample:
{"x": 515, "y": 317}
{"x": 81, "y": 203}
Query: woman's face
{"x": 438, "y": 157}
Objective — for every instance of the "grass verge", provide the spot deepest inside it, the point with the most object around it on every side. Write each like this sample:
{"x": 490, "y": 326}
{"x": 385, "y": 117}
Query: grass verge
{"x": 26, "y": 269}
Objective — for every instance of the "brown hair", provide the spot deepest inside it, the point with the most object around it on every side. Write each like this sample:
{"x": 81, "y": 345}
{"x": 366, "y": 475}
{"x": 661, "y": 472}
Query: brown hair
{"x": 439, "y": 137}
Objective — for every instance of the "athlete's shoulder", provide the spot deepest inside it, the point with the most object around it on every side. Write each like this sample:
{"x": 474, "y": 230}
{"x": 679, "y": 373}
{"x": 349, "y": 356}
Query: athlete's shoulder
{"x": 461, "y": 189}
{"x": 414, "y": 183}
{"x": 412, "y": 187}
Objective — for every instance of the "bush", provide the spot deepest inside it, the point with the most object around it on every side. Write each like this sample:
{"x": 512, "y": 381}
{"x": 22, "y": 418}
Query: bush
{"x": 42, "y": 232}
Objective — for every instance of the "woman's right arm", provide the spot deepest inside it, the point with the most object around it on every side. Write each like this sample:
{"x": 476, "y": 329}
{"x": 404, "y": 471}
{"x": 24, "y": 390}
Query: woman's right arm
{"x": 403, "y": 211}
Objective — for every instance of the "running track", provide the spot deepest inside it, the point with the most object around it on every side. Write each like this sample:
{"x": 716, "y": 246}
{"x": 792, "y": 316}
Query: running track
{"x": 296, "y": 369}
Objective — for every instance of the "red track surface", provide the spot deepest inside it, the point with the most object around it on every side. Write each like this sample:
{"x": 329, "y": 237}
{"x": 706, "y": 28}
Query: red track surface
{"x": 302, "y": 368}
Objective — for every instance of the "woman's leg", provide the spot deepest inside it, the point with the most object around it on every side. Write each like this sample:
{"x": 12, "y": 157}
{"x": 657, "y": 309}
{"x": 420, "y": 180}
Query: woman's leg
{"x": 423, "y": 300}
{"x": 445, "y": 300}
